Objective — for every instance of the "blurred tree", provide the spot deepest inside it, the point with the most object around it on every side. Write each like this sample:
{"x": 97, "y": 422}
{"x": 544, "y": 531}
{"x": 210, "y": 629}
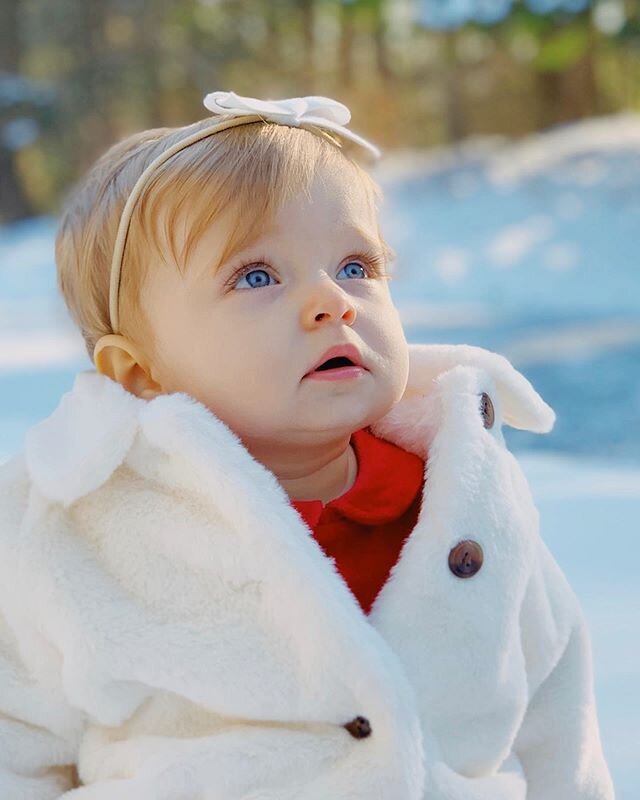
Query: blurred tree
{"x": 562, "y": 64}
{"x": 307, "y": 8}
{"x": 347, "y": 35}
{"x": 120, "y": 65}
{"x": 383, "y": 62}
{"x": 14, "y": 203}
{"x": 453, "y": 90}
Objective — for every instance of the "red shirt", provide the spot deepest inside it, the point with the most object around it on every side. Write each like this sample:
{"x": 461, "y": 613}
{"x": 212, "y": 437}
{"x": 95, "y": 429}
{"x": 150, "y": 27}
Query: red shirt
{"x": 364, "y": 529}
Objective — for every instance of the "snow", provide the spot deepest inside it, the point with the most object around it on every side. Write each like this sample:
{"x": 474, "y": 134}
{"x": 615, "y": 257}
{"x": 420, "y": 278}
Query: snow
{"x": 529, "y": 249}
{"x": 583, "y": 506}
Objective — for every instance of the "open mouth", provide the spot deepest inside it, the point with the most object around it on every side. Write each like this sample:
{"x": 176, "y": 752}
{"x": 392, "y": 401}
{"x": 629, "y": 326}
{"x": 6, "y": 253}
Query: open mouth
{"x": 335, "y": 363}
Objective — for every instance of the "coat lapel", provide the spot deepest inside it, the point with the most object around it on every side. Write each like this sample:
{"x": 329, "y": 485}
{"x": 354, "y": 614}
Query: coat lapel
{"x": 454, "y": 636}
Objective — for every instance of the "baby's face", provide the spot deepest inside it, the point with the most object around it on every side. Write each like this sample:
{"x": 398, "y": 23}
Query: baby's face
{"x": 242, "y": 344}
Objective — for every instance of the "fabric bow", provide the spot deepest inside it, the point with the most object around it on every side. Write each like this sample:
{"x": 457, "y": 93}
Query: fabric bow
{"x": 323, "y": 112}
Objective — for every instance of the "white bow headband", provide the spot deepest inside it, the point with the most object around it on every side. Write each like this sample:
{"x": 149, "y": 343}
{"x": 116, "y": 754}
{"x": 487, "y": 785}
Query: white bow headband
{"x": 314, "y": 113}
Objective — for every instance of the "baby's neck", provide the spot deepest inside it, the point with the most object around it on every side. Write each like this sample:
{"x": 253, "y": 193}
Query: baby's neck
{"x": 321, "y": 479}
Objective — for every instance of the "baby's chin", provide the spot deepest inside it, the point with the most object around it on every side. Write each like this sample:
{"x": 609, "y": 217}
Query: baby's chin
{"x": 341, "y": 419}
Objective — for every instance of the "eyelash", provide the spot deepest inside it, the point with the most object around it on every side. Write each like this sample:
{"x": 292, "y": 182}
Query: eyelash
{"x": 371, "y": 259}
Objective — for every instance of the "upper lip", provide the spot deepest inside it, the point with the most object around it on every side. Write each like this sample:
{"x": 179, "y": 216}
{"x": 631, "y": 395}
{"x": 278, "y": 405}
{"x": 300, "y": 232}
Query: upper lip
{"x": 349, "y": 351}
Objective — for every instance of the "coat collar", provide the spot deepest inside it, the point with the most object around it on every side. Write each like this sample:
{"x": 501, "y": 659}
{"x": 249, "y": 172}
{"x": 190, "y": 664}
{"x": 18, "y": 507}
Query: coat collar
{"x": 75, "y": 450}
{"x": 386, "y": 484}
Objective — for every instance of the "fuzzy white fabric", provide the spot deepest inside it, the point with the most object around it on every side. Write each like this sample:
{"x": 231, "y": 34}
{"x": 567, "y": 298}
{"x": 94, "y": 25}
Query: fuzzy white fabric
{"x": 171, "y": 630}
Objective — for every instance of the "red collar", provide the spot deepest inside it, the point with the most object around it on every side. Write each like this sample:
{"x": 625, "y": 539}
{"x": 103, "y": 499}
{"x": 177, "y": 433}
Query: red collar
{"x": 387, "y": 482}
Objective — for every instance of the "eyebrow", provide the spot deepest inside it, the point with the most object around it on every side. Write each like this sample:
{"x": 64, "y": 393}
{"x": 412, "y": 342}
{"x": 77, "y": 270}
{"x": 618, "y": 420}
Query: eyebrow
{"x": 375, "y": 243}
{"x": 378, "y": 245}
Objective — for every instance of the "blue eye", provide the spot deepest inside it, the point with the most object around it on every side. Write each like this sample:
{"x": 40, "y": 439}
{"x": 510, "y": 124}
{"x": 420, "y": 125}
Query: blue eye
{"x": 371, "y": 267}
{"x": 260, "y": 282}
{"x": 355, "y": 263}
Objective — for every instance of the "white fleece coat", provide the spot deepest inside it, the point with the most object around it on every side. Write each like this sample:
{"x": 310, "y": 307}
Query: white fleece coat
{"x": 171, "y": 630}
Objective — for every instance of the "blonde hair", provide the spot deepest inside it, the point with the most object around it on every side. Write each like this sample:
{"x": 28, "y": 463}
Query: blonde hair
{"x": 250, "y": 169}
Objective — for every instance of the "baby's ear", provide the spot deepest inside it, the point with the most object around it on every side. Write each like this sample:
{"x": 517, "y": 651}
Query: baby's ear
{"x": 125, "y": 363}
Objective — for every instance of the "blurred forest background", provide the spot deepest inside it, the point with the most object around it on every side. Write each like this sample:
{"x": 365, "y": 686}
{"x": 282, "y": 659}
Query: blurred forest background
{"x": 76, "y": 76}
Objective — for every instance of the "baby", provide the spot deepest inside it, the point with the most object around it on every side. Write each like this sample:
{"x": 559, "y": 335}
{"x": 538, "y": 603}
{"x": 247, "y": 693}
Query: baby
{"x": 266, "y": 548}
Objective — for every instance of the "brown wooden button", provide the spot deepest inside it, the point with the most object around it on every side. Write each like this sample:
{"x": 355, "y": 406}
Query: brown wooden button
{"x": 465, "y": 559}
{"x": 359, "y": 727}
{"x": 488, "y": 412}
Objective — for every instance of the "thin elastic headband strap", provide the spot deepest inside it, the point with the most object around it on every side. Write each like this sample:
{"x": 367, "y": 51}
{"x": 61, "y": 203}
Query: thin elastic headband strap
{"x": 141, "y": 183}
{"x": 139, "y": 186}
{"x": 322, "y": 115}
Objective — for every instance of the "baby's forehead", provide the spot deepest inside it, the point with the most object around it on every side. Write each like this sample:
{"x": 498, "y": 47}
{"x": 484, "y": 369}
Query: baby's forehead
{"x": 301, "y": 231}
{"x": 345, "y": 187}
{"x": 331, "y": 200}
{"x": 334, "y": 205}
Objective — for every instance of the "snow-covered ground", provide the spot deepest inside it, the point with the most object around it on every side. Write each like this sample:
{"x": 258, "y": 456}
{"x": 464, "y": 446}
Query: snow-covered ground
{"x": 590, "y": 519}
{"x": 532, "y": 250}
{"x": 528, "y": 249}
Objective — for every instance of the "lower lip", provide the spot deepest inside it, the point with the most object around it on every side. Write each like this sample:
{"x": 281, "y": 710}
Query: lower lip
{"x": 339, "y": 374}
